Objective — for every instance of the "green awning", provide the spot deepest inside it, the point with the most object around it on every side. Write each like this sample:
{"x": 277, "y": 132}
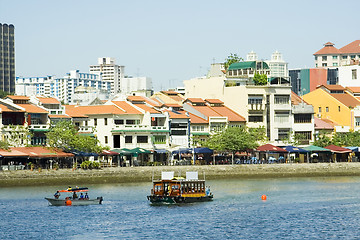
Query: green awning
{"x": 247, "y": 65}
{"x": 87, "y": 134}
{"x": 313, "y": 148}
{"x": 200, "y": 133}
{"x": 39, "y": 130}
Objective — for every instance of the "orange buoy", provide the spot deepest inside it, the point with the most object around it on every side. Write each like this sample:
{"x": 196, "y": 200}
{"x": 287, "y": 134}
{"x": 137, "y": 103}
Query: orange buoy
{"x": 68, "y": 202}
{"x": 263, "y": 197}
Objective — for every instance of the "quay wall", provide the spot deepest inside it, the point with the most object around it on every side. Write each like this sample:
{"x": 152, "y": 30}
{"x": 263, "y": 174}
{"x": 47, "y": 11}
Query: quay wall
{"x": 145, "y": 174}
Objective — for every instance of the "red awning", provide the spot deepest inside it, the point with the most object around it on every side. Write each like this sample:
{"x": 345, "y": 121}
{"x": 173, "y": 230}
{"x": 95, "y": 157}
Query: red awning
{"x": 270, "y": 148}
{"x": 337, "y": 149}
{"x": 107, "y": 152}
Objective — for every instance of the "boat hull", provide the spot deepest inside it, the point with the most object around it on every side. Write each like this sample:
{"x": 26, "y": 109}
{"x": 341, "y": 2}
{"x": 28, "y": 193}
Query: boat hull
{"x": 74, "y": 202}
{"x": 155, "y": 199}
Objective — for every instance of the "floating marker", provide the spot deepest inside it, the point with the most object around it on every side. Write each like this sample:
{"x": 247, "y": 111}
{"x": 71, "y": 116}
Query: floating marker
{"x": 263, "y": 197}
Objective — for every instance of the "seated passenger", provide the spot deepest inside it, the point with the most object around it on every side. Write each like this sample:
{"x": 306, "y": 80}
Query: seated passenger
{"x": 86, "y": 196}
{"x": 81, "y": 196}
{"x": 57, "y": 195}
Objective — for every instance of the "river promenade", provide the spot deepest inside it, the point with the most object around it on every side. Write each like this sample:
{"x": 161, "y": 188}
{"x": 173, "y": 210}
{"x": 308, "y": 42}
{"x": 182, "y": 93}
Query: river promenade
{"x": 144, "y": 174}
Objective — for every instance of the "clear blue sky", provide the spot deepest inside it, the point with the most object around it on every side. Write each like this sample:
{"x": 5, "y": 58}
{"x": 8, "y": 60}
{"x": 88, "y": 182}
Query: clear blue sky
{"x": 171, "y": 41}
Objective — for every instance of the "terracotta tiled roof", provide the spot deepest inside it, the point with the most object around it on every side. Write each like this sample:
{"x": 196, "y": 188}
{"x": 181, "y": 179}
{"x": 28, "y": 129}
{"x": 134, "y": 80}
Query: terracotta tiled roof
{"x": 328, "y": 49}
{"x": 197, "y": 120}
{"x": 126, "y": 107}
{"x": 354, "y": 89}
{"x": 346, "y": 99}
{"x": 59, "y": 116}
{"x": 296, "y": 99}
{"x": 227, "y": 112}
{"x": 177, "y": 98}
{"x": 195, "y": 100}
{"x": 71, "y": 110}
{"x": 214, "y": 101}
{"x": 353, "y": 47}
{"x": 333, "y": 87}
{"x": 169, "y": 92}
{"x": 15, "y": 97}
{"x": 30, "y": 108}
{"x": 12, "y": 153}
{"x": 135, "y": 99}
{"x": 320, "y": 124}
{"x": 171, "y": 105}
{"x": 147, "y": 108}
{"x": 178, "y": 114}
{"x": 7, "y": 108}
{"x": 49, "y": 100}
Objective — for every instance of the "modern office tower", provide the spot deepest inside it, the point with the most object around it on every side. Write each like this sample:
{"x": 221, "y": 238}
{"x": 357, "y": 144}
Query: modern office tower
{"x": 110, "y": 72}
{"x": 7, "y": 58}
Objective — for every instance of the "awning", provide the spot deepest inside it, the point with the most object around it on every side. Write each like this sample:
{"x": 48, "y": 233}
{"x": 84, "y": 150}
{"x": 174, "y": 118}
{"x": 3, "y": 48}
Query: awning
{"x": 313, "y": 148}
{"x": 270, "y": 148}
{"x": 293, "y": 149}
{"x": 354, "y": 149}
{"x": 107, "y": 152}
{"x": 337, "y": 149}
{"x": 122, "y": 151}
{"x": 140, "y": 150}
{"x": 161, "y": 151}
{"x": 203, "y": 150}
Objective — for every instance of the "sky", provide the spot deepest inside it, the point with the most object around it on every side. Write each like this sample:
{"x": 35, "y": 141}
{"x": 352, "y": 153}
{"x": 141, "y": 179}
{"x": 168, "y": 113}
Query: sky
{"x": 171, "y": 41}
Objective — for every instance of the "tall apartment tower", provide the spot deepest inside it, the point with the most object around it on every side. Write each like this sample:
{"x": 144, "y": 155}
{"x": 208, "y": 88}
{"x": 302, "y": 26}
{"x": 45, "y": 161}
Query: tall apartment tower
{"x": 110, "y": 72}
{"x": 7, "y": 58}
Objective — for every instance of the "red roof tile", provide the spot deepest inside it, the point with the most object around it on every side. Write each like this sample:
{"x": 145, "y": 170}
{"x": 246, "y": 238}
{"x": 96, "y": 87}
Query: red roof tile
{"x": 8, "y": 108}
{"x": 337, "y": 149}
{"x": 328, "y": 49}
{"x": 49, "y": 100}
{"x": 320, "y": 124}
{"x": 333, "y": 87}
{"x": 197, "y": 120}
{"x": 30, "y": 108}
{"x": 214, "y": 101}
{"x": 59, "y": 116}
{"x": 353, "y": 47}
{"x": 126, "y": 107}
{"x": 354, "y": 89}
{"x": 195, "y": 100}
{"x": 15, "y": 97}
{"x": 346, "y": 99}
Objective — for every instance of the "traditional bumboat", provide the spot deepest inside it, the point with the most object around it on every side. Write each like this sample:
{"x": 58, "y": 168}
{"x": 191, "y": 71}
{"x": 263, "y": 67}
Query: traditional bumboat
{"x": 173, "y": 190}
{"x": 73, "y": 199}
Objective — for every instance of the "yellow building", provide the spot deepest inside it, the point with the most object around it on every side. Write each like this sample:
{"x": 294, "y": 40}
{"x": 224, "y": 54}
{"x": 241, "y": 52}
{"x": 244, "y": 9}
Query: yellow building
{"x": 334, "y": 103}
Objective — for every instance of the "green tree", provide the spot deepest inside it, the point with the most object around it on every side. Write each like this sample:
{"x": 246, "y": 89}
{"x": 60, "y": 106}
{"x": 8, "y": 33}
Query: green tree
{"x": 232, "y": 58}
{"x": 65, "y": 136}
{"x": 260, "y": 79}
{"x": 322, "y": 140}
{"x": 17, "y": 136}
{"x": 3, "y": 94}
{"x": 233, "y": 139}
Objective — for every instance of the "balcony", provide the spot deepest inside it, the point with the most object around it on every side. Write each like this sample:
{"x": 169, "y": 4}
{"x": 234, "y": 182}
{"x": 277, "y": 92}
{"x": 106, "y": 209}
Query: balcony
{"x": 139, "y": 128}
{"x": 256, "y": 107}
{"x": 38, "y": 127}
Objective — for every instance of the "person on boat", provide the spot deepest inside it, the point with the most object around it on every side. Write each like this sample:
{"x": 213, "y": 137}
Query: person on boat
{"x": 81, "y": 196}
{"x": 69, "y": 188}
{"x": 75, "y": 196}
{"x": 57, "y": 195}
{"x": 86, "y": 196}
{"x": 207, "y": 190}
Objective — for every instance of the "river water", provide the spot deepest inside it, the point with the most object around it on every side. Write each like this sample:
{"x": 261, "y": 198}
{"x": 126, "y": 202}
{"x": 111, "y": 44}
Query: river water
{"x": 296, "y": 208}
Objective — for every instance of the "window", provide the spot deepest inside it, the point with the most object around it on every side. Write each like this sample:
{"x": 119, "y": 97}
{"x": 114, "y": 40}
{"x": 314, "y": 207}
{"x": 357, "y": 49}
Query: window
{"x": 95, "y": 121}
{"x": 128, "y": 139}
{"x": 339, "y": 108}
{"x": 142, "y": 139}
{"x": 255, "y": 99}
{"x": 353, "y": 74}
{"x": 324, "y": 64}
{"x": 315, "y": 58}
{"x": 319, "y": 109}
{"x": 283, "y": 134}
{"x": 302, "y": 118}
{"x": 352, "y": 56}
{"x": 105, "y": 121}
{"x": 282, "y": 99}
{"x": 305, "y": 135}
{"x": 106, "y": 139}
{"x": 159, "y": 139}
{"x": 324, "y": 58}
{"x": 282, "y": 116}
{"x": 116, "y": 141}
{"x": 335, "y": 64}
{"x": 334, "y": 57}
{"x": 327, "y": 109}
{"x": 344, "y": 57}
{"x": 130, "y": 122}
{"x": 255, "y": 118}
{"x": 119, "y": 121}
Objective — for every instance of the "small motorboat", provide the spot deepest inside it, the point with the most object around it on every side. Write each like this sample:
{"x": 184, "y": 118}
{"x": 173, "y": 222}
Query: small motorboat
{"x": 174, "y": 190}
{"x": 73, "y": 199}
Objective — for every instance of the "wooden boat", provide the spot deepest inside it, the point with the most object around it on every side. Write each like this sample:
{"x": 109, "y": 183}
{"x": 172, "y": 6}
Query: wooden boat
{"x": 173, "y": 190}
{"x": 73, "y": 199}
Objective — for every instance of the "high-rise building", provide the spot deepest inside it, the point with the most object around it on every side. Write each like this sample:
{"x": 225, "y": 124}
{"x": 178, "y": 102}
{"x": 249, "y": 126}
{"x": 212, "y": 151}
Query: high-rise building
{"x": 7, "y": 58}
{"x": 110, "y": 72}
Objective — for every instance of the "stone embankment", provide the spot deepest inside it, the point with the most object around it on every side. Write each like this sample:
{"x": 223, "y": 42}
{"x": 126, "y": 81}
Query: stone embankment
{"x": 144, "y": 174}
